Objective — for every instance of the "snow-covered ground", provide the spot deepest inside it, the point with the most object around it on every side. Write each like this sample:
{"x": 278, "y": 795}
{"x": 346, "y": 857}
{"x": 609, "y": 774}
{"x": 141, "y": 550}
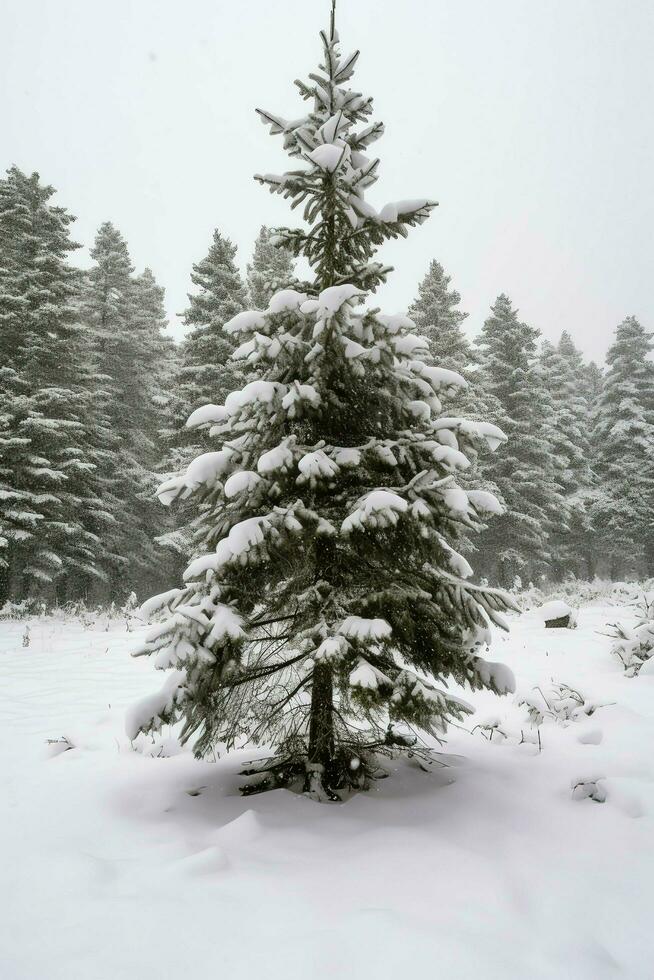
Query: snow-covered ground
{"x": 136, "y": 863}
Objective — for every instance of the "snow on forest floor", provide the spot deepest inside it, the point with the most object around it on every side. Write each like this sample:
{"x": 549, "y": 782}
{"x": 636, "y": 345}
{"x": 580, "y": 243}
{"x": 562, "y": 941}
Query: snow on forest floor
{"x": 118, "y": 864}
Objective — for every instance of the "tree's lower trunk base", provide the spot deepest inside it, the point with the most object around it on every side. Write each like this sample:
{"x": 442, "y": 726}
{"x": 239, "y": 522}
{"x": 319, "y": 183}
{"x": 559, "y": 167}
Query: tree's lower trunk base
{"x": 316, "y": 785}
{"x": 345, "y": 773}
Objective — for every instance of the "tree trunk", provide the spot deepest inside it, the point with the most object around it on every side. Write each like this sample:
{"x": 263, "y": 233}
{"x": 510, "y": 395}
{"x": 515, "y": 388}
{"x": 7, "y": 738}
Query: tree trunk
{"x": 322, "y": 743}
{"x": 62, "y": 590}
{"x": 4, "y": 584}
{"x": 506, "y": 574}
{"x": 649, "y": 556}
{"x": 321, "y": 725}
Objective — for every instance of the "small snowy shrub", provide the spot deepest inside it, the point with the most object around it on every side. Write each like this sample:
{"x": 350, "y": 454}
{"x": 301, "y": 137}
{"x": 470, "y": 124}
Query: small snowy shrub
{"x": 89, "y": 617}
{"x": 589, "y": 789}
{"x": 633, "y": 646}
{"x": 527, "y": 598}
{"x": 490, "y": 727}
{"x": 560, "y": 703}
{"x": 638, "y": 595}
{"x": 577, "y": 592}
{"x": 15, "y": 611}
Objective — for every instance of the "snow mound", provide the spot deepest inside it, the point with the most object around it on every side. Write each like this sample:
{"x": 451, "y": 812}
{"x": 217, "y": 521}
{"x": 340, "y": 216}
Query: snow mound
{"x": 555, "y": 609}
{"x": 379, "y": 508}
{"x": 329, "y": 156}
{"x": 316, "y": 466}
{"x": 279, "y": 458}
{"x": 286, "y": 300}
{"x": 243, "y": 830}
{"x": 154, "y": 707}
{"x": 205, "y": 862}
{"x": 205, "y": 415}
{"x": 121, "y": 815}
{"x": 359, "y": 628}
{"x": 247, "y": 321}
{"x": 207, "y": 468}
{"x": 242, "y": 482}
{"x": 330, "y": 300}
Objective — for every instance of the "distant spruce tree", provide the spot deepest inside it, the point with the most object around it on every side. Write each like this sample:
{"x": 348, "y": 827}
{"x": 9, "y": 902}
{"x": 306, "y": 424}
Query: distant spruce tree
{"x": 519, "y": 542}
{"x": 206, "y": 371}
{"x": 584, "y": 389}
{"x": 52, "y": 512}
{"x": 159, "y": 352}
{"x": 326, "y": 606}
{"x": 20, "y": 513}
{"x": 437, "y": 316}
{"x": 592, "y": 379}
{"x": 573, "y": 544}
{"x": 160, "y": 366}
{"x": 132, "y": 356}
{"x": 591, "y": 382}
{"x": 270, "y": 270}
{"x": 623, "y": 438}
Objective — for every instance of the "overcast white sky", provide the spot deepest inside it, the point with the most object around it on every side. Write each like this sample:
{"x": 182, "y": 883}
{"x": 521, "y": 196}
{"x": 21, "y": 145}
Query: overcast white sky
{"x": 530, "y": 122}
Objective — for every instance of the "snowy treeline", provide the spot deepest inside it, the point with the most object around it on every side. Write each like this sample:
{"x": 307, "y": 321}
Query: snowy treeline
{"x": 94, "y": 398}
{"x": 577, "y": 474}
{"x": 85, "y": 375}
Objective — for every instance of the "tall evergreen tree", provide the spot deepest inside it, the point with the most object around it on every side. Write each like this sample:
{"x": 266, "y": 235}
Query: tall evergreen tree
{"x": 107, "y": 309}
{"x": 437, "y": 316}
{"x": 50, "y": 405}
{"x": 207, "y": 373}
{"x": 271, "y": 269}
{"x": 592, "y": 379}
{"x": 159, "y": 363}
{"x": 160, "y": 353}
{"x": 126, "y": 319}
{"x": 518, "y": 542}
{"x": 573, "y": 544}
{"x": 327, "y": 602}
{"x": 160, "y": 367}
{"x": 591, "y": 382}
{"x": 624, "y": 446}
{"x": 19, "y": 511}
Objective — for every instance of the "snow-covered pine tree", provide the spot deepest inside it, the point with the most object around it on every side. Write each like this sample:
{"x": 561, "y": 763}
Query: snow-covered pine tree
{"x": 437, "y": 317}
{"x": 132, "y": 355}
{"x": 159, "y": 352}
{"x": 623, "y": 439}
{"x": 518, "y": 542}
{"x": 573, "y": 546}
{"x": 573, "y": 357}
{"x": 271, "y": 269}
{"x": 436, "y": 314}
{"x": 207, "y": 373}
{"x": 592, "y": 378}
{"x": 159, "y": 365}
{"x": 52, "y": 513}
{"x": 327, "y": 606}
{"x": 19, "y": 511}
{"x": 107, "y": 305}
